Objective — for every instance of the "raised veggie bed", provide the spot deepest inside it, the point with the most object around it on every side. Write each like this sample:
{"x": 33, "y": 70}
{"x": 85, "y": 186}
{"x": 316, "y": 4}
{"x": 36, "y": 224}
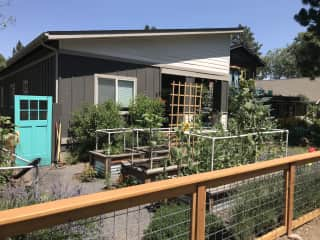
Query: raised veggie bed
{"x": 111, "y": 164}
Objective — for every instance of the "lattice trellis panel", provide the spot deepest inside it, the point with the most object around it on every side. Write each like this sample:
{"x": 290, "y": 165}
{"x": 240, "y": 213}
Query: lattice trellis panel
{"x": 185, "y": 102}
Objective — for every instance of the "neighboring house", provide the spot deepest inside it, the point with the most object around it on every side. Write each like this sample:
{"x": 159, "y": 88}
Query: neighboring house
{"x": 243, "y": 63}
{"x": 78, "y": 67}
{"x": 288, "y": 96}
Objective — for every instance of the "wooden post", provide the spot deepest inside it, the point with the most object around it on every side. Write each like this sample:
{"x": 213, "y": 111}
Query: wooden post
{"x": 286, "y": 196}
{"x": 201, "y": 213}
{"x": 290, "y": 178}
{"x": 172, "y": 102}
{"x": 193, "y": 227}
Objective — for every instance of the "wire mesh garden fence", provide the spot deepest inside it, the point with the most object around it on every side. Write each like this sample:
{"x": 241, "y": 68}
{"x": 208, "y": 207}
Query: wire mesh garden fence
{"x": 246, "y": 209}
{"x": 216, "y": 151}
{"x": 307, "y": 189}
{"x": 256, "y": 201}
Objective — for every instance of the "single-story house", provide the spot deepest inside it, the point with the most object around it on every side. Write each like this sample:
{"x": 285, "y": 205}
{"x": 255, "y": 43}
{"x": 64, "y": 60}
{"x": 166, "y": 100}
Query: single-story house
{"x": 243, "y": 63}
{"x": 289, "y": 97}
{"x": 76, "y": 67}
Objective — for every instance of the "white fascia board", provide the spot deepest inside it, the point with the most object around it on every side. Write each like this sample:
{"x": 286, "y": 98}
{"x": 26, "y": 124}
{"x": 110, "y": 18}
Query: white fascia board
{"x": 76, "y": 36}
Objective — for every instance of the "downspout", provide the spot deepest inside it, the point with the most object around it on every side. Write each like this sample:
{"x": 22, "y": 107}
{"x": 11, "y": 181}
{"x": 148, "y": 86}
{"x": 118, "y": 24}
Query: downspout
{"x": 56, "y": 51}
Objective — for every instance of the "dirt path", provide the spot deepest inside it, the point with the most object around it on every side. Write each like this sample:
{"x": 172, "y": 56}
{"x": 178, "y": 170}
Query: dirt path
{"x": 309, "y": 231}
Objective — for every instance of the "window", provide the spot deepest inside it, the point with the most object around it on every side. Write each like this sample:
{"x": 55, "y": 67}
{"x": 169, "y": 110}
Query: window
{"x": 25, "y": 86}
{"x": 33, "y": 110}
{"x": 234, "y": 78}
{"x": 120, "y": 89}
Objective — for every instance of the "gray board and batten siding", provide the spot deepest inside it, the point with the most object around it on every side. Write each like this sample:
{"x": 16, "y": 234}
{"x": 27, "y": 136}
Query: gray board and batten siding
{"x": 76, "y": 85}
{"x": 37, "y": 70}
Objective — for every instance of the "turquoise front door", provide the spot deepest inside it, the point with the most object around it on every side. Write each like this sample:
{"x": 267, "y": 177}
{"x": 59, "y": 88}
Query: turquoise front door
{"x": 33, "y": 122}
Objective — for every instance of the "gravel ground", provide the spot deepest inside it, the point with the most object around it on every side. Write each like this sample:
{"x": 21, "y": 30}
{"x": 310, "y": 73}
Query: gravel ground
{"x": 309, "y": 231}
{"x": 124, "y": 224}
{"x": 67, "y": 178}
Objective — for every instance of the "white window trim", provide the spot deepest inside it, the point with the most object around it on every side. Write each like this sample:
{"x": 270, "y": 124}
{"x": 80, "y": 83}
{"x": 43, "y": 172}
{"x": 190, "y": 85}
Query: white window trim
{"x": 116, "y": 78}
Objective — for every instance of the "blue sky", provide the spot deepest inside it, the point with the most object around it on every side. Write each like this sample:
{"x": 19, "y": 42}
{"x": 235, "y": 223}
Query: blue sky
{"x": 271, "y": 21}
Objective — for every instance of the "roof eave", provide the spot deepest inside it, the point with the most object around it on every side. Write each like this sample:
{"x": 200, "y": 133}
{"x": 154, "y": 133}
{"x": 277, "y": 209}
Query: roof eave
{"x": 28, "y": 48}
{"x": 53, "y": 36}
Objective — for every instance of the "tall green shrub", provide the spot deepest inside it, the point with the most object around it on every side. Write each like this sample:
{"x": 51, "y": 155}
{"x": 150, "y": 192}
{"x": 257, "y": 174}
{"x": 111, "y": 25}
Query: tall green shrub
{"x": 145, "y": 105}
{"x": 246, "y": 111}
{"x": 90, "y": 118}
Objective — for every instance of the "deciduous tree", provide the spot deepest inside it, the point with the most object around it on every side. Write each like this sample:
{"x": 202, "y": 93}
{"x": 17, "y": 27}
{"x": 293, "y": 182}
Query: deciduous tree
{"x": 280, "y": 63}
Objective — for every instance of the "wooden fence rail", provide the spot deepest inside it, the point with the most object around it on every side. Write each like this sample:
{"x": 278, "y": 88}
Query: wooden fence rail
{"x": 35, "y": 217}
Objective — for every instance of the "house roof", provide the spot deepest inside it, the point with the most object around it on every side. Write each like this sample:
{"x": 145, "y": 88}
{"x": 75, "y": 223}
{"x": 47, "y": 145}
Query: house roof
{"x": 87, "y": 34}
{"x": 244, "y": 57}
{"x": 292, "y": 87}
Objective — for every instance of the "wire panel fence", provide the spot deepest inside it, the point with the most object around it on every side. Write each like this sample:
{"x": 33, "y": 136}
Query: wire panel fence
{"x": 246, "y": 209}
{"x": 217, "y": 152}
{"x": 307, "y": 189}
{"x": 169, "y": 219}
{"x": 258, "y": 201}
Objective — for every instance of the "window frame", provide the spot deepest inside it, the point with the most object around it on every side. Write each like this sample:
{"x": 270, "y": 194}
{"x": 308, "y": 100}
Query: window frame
{"x": 116, "y": 78}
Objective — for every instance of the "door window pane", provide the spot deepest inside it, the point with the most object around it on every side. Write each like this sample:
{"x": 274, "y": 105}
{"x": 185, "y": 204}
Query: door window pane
{"x": 43, "y": 115}
{"x": 24, "y": 104}
{"x": 24, "y": 115}
{"x": 34, "y": 105}
{"x": 125, "y": 92}
{"x": 106, "y": 90}
{"x": 43, "y": 104}
{"x": 33, "y": 115}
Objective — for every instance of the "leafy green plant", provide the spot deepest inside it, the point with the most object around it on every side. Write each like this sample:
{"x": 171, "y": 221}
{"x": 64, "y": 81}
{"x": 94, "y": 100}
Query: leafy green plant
{"x": 88, "y": 174}
{"x": 85, "y": 122}
{"x": 182, "y": 154}
{"x": 172, "y": 220}
{"x": 145, "y": 105}
{"x": 257, "y": 207}
{"x": 129, "y": 180}
{"x": 151, "y": 120}
{"x": 70, "y": 158}
{"x": 7, "y": 137}
{"x": 246, "y": 111}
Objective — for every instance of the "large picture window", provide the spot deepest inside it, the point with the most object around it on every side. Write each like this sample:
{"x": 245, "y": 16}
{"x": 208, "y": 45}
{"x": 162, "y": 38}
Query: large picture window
{"x": 120, "y": 89}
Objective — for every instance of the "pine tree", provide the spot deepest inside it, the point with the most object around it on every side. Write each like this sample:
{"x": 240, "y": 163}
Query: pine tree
{"x": 247, "y": 39}
{"x": 17, "y": 48}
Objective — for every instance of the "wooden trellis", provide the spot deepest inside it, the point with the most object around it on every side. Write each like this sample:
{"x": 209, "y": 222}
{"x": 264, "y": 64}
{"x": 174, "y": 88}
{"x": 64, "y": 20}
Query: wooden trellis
{"x": 185, "y": 103}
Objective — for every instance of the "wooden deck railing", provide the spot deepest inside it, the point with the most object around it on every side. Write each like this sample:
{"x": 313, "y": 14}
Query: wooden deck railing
{"x": 30, "y": 218}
